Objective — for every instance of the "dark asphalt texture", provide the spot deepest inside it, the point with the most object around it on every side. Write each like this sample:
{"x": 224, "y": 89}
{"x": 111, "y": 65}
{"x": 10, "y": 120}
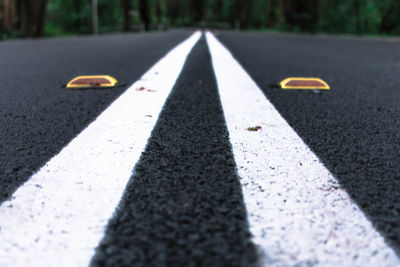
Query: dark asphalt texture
{"x": 183, "y": 206}
{"x": 37, "y": 117}
{"x": 354, "y": 128}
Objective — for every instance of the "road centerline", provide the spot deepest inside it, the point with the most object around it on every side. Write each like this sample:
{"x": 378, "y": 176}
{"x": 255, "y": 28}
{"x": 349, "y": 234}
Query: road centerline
{"x": 184, "y": 205}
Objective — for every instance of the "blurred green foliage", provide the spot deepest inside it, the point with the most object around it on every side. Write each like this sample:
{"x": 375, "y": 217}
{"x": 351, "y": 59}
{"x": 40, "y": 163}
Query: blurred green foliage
{"x": 70, "y": 17}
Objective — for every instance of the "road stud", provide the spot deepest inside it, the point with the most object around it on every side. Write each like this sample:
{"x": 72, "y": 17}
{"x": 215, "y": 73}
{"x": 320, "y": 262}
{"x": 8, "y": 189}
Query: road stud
{"x": 304, "y": 83}
{"x": 94, "y": 81}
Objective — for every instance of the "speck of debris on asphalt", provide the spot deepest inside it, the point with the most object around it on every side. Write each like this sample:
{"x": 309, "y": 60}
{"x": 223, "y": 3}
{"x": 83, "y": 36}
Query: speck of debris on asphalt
{"x": 254, "y": 129}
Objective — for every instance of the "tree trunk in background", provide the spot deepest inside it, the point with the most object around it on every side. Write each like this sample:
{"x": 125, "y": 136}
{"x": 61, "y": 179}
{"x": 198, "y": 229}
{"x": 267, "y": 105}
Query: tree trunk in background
{"x": 386, "y": 12}
{"x": 291, "y": 12}
{"x": 40, "y": 17}
{"x": 357, "y": 16}
{"x": 197, "y": 10}
{"x": 7, "y": 14}
{"x": 173, "y": 10}
{"x": 126, "y": 9}
{"x": 217, "y": 11}
{"x": 287, "y": 12}
{"x": 160, "y": 15}
{"x": 242, "y": 13}
{"x": 271, "y": 13}
{"x": 301, "y": 15}
{"x": 144, "y": 13}
{"x": 32, "y": 17}
{"x": 281, "y": 16}
{"x": 2, "y": 11}
{"x": 313, "y": 10}
{"x": 77, "y": 6}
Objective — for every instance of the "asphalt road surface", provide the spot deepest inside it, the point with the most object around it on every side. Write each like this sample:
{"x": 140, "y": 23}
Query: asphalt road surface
{"x": 41, "y": 116}
{"x": 187, "y": 200}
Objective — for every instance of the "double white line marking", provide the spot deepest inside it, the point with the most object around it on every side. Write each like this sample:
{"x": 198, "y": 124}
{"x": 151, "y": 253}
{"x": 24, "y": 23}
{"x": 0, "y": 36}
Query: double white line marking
{"x": 296, "y": 213}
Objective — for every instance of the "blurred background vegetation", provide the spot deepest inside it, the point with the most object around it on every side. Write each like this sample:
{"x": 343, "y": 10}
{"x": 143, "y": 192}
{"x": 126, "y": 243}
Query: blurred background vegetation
{"x": 37, "y": 18}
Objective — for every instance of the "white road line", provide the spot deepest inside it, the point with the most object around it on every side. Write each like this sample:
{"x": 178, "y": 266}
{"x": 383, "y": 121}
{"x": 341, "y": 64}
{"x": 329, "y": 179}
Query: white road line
{"x": 298, "y": 213}
{"x": 58, "y": 217}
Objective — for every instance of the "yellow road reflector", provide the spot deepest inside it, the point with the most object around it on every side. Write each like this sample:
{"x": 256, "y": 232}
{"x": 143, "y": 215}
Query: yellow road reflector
{"x": 92, "y": 81}
{"x": 304, "y": 83}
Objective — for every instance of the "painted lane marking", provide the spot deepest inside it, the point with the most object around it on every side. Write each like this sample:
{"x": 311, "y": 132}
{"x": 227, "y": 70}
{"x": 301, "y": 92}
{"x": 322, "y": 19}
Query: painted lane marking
{"x": 58, "y": 217}
{"x": 298, "y": 213}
